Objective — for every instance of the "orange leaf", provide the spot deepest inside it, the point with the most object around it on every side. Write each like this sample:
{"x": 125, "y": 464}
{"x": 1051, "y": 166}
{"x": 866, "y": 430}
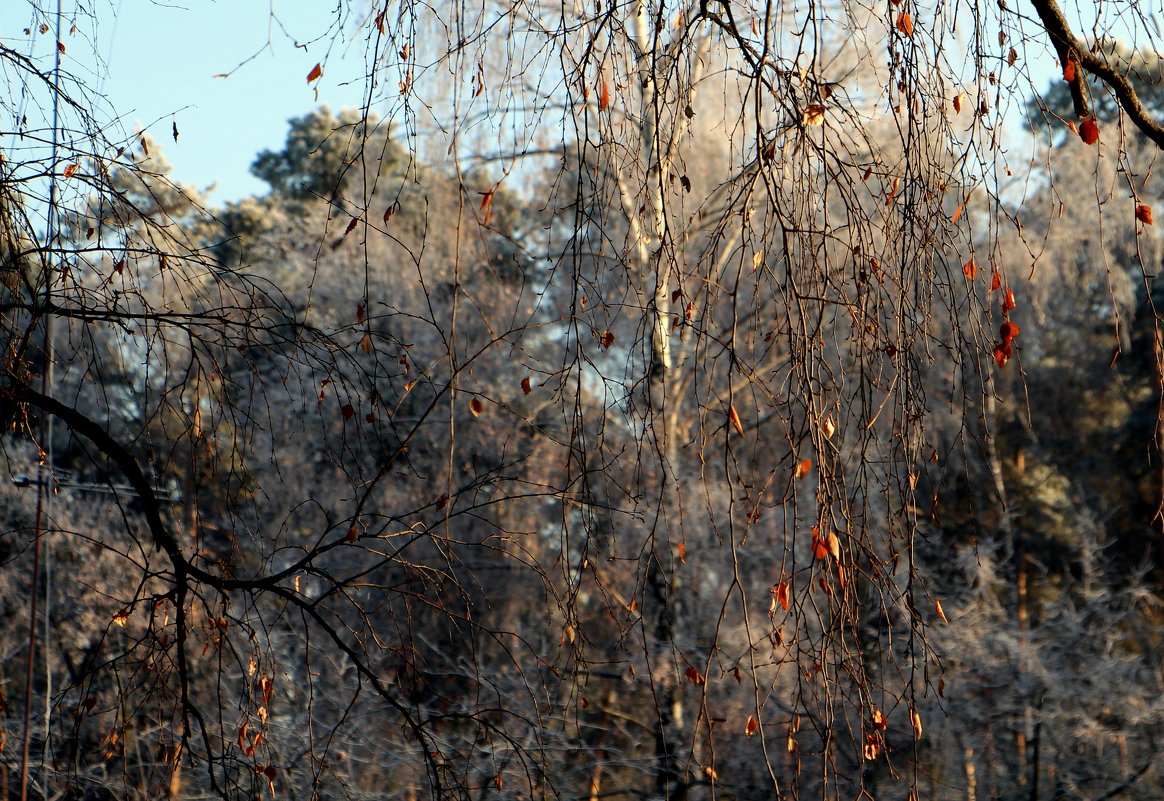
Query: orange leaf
{"x": 958, "y": 98}
{"x": 486, "y": 205}
{"x": 995, "y": 280}
{"x": 734, "y": 417}
{"x": 604, "y": 97}
{"x": 1143, "y": 213}
{"x": 1069, "y": 71}
{"x": 813, "y": 115}
{"x": 783, "y": 595}
{"x": 606, "y": 339}
{"x": 834, "y": 544}
{"x": 893, "y": 192}
{"x": 820, "y": 549}
{"x": 695, "y": 677}
{"x": 315, "y": 74}
{"x": 803, "y": 469}
{"x": 828, "y": 427}
{"x": 915, "y": 721}
{"x": 1008, "y": 303}
{"x": 905, "y": 23}
{"x": 476, "y": 407}
{"x": 938, "y": 609}
{"x": 366, "y": 343}
{"x": 1089, "y": 132}
{"x": 683, "y": 551}
{"x": 969, "y": 269}
{"x": 72, "y": 168}
{"x": 752, "y": 726}
{"x": 879, "y": 721}
{"x": 957, "y": 215}
{"x": 525, "y": 386}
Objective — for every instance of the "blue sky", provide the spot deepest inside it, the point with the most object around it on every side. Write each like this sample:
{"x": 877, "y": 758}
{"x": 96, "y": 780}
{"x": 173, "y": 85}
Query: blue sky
{"x": 161, "y": 58}
{"x": 156, "y": 62}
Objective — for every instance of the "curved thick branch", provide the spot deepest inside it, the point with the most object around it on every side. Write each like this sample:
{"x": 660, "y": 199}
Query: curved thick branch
{"x": 1069, "y": 47}
{"x": 162, "y": 536}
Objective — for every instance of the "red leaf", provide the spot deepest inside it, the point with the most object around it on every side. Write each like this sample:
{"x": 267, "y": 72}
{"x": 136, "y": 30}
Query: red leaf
{"x": 969, "y": 269}
{"x": 606, "y": 339}
{"x": 1069, "y": 71}
{"x": 803, "y": 469}
{"x": 351, "y": 226}
{"x": 486, "y": 205}
{"x": 72, "y": 168}
{"x": 1144, "y": 214}
{"x": 752, "y": 726}
{"x": 1008, "y": 303}
{"x": 315, "y": 74}
{"x": 995, "y": 280}
{"x": 1089, "y": 132}
{"x": 525, "y": 386}
{"x": 347, "y": 411}
{"x": 353, "y": 533}
{"x": 359, "y": 313}
{"x": 1002, "y": 354}
{"x": 1008, "y": 331}
{"x": 476, "y": 407}
{"x": 695, "y": 677}
{"x": 604, "y": 97}
{"x": 60, "y": 47}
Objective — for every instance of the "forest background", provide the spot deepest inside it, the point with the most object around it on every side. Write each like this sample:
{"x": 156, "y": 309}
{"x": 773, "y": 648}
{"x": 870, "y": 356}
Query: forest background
{"x": 616, "y": 401}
